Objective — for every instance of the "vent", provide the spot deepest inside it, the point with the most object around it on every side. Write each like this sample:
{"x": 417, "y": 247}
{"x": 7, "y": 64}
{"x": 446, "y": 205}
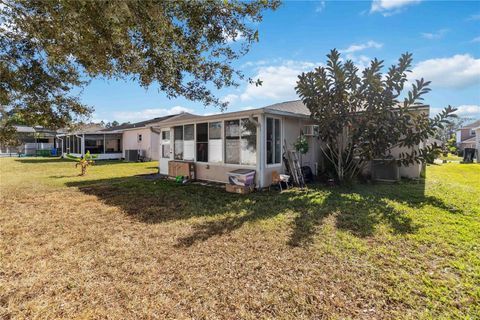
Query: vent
{"x": 311, "y": 130}
{"x": 385, "y": 170}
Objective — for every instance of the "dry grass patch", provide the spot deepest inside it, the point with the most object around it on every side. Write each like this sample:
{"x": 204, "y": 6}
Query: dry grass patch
{"x": 111, "y": 245}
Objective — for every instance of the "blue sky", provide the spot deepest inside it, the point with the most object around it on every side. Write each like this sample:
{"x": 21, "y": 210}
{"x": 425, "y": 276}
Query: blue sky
{"x": 443, "y": 36}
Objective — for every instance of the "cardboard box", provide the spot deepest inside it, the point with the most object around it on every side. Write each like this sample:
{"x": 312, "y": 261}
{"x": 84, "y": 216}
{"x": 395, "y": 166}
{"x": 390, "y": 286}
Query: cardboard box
{"x": 181, "y": 168}
{"x": 238, "y": 189}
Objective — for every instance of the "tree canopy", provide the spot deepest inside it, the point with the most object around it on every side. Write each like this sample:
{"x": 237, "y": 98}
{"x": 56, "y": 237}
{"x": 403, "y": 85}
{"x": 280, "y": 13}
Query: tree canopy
{"x": 365, "y": 116}
{"x": 48, "y": 49}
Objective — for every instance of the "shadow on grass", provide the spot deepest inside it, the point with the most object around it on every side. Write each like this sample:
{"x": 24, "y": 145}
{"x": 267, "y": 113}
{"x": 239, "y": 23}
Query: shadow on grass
{"x": 60, "y": 160}
{"x": 34, "y": 160}
{"x": 358, "y": 210}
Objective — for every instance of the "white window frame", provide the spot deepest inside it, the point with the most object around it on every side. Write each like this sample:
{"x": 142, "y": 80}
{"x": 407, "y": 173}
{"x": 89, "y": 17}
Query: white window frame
{"x": 139, "y": 137}
{"x": 183, "y": 142}
{"x": 272, "y": 165}
{"x": 240, "y": 136}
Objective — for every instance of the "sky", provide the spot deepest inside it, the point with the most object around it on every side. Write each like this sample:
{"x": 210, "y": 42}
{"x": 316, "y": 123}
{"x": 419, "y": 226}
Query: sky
{"x": 444, "y": 37}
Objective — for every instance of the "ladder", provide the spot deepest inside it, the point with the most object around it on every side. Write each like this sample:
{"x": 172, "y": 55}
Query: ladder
{"x": 294, "y": 165}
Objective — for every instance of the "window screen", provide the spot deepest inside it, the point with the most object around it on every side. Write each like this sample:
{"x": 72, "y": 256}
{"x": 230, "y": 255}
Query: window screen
{"x": 178, "y": 142}
{"x": 232, "y": 141}
{"x": 274, "y": 144}
{"x": 202, "y": 142}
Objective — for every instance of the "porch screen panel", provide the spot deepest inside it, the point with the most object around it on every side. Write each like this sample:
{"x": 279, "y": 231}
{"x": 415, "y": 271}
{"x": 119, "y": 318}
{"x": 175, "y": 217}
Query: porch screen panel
{"x": 232, "y": 141}
{"x": 248, "y": 142}
{"x": 178, "y": 143}
{"x": 278, "y": 143}
{"x": 70, "y": 143}
{"x": 202, "y": 142}
{"x": 215, "y": 150}
{"x": 189, "y": 142}
{"x": 113, "y": 143}
{"x": 94, "y": 143}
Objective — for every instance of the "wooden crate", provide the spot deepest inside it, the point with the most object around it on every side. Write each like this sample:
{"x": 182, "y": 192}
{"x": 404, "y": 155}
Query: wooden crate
{"x": 238, "y": 189}
{"x": 181, "y": 168}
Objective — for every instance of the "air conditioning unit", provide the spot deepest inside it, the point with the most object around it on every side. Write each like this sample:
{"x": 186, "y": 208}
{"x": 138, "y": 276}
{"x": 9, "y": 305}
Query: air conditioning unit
{"x": 385, "y": 170}
{"x": 131, "y": 155}
{"x": 311, "y": 130}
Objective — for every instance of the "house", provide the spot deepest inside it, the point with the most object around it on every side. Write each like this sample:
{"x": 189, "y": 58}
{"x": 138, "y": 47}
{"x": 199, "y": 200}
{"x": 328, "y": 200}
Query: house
{"x": 465, "y": 136}
{"x": 31, "y": 141}
{"x": 106, "y": 145}
{"x": 141, "y": 137}
{"x": 477, "y": 142}
{"x": 251, "y": 139}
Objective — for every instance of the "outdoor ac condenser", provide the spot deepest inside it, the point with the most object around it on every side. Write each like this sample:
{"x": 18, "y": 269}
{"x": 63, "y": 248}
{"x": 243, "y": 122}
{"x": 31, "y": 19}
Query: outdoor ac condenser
{"x": 385, "y": 169}
{"x": 131, "y": 155}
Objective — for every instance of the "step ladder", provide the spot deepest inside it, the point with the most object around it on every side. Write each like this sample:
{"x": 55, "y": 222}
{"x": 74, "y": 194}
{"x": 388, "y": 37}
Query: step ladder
{"x": 294, "y": 165}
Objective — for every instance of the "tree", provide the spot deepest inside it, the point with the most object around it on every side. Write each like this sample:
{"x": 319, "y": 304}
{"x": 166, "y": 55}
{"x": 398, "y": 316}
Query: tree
{"x": 49, "y": 48}
{"x": 362, "y": 117}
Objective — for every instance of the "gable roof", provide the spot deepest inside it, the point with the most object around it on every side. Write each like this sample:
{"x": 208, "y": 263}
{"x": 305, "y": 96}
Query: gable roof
{"x": 293, "y": 107}
{"x": 140, "y": 124}
{"x": 472, "y": 125}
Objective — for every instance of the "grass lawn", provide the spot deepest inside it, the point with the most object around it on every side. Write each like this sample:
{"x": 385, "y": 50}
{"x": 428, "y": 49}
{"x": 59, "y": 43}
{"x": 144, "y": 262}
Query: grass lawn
{"x": 115, "y": 245}
{"x": 450, "y": 157}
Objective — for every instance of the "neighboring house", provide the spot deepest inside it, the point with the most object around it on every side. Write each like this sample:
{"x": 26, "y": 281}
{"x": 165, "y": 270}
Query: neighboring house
{"x": 32, "y": 141}
{"x": 93, "y": 138}
{"x": 250, "y": 139}
{"x": 142, "y": 137}
{"x": 465, "y": 134}
{"x": 477, "y": 142}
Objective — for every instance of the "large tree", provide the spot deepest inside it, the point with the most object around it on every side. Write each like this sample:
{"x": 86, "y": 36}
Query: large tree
{"x": 362, "y": 116}
{"x": 48, "y": 48}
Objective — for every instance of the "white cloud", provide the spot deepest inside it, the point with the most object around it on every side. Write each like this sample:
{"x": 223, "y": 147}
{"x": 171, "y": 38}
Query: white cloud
{"x": 390, "y": 7}
{"x": 279, "y": 81}
{"x": 145, "y": 114}
{"x": 362, "y": 46}
{"x": 474, "y": 40}
{"x": 434, "y": 35}
{"x": 320, "y": 6}
{"x": 230, "y": 98}
{"x": 231, "y": 38}
{"x": 458, "y": 71}
{"x": 468, "y": 110}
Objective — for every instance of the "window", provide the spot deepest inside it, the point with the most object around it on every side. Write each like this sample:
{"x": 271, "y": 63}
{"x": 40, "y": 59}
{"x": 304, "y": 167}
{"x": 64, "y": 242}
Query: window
{"x": 166, "y": 144}
{"x": 113, "y": 143}
{"x": 274, "y": 153}
{"x": 232, "y": 141}
{"x": 178, "y": 143}
{"x": 166, "y": 150}
{"x": 94, "y": 143}
{"x": 184, "y": 143}
{"x": 240, "y": 142}
{"x": 165, "y": 135}
{"x": 189, "y": 142}
{"x": 139, "y": 138}
{"x": 215, "y": 149}
{"x": 248, "y": 141}
{"x": 202, "y": 142}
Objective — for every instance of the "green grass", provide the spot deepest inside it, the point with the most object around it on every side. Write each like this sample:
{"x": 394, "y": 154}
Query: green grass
{"x": 450, "y": 157}
{"x": 117, "y": 244}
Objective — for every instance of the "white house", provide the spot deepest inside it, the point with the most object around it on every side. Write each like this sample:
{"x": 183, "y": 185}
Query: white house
{"x": 141, "y": 137}
{"x": 252, "y": 139}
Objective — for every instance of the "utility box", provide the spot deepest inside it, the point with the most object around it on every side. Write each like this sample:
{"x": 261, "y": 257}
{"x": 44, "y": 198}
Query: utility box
{"x": 181, "y": 168}
{"x": 385, "y": 170}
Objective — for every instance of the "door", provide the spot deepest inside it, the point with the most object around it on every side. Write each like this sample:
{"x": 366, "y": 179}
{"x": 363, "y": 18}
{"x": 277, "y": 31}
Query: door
{"x": 165, "y": 150}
